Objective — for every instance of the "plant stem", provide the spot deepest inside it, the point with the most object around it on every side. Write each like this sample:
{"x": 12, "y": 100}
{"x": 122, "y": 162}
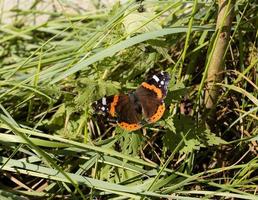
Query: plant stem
{"x": 216, "y": 64}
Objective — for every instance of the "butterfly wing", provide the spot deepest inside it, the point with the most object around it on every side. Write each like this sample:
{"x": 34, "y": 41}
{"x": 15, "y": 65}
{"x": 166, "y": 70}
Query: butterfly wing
{"x": 160, "y": 81}
{"x": 121, "y": 107}
{"x": 128, "y": 112}
{"x": 151, "y": 94}
{"x": 103, "y": 105}
{"x": 153, "y": 108}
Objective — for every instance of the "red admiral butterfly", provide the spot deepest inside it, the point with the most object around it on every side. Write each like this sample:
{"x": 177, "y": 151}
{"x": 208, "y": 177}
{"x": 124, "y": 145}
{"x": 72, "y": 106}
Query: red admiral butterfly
{"x": 145, "y": 104}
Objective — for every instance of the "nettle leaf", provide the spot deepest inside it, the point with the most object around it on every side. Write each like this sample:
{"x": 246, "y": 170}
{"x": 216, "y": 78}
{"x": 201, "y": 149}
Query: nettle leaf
{"x": 131, "y": 143}
{"x": 71, "y": 127}
{"x": 191, "y": 145}
{"x": 65, "y": 121}
{"x": 176, "y": 91}
{"x": 171, "y": 140}
{"x": 84, "y": 97}
{"x": 168, "y": 123}
{"x": 195, "y": 135}
{"x": 213, "y": 139}
{"x": 107, "y": 88}
{"x": 52, "y": 90}
{"x": 136, "y": 143}
{"x": 58, "y": 118}
{"x": 91, "y": 90}
{"x": 184, "y": 126}
{"x": 136, "y": 22}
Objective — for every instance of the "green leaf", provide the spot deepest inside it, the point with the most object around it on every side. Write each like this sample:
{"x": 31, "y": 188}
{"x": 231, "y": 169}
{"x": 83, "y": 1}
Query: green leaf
{"x": 191, "y": 145}
{"x": 136, "y": 22}
{"x": 212, "y": 139}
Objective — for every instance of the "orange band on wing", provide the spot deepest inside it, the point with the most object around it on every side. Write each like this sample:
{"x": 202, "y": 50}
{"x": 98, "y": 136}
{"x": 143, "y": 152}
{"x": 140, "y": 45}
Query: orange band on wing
{"x": 129, "y": 127}
{"x": 159, "y": 113}
{"x": 153, "y": 88}
{"x": 112, "y": 110}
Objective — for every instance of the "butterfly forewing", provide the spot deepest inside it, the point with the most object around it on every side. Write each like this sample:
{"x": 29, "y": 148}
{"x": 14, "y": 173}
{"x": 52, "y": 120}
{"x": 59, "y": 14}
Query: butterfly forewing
{"x": 150, "y": 104}
{"x": 151, "y": 94}
{"x": 161, "y": 81}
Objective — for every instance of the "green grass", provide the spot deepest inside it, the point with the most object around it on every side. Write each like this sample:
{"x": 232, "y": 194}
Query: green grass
{"x": 53, "y": 145}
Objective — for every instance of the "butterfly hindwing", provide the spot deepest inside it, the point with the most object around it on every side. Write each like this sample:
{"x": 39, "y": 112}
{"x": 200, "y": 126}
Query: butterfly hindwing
{"x": 128, "y": 112}
{"x": 122, "y": 108}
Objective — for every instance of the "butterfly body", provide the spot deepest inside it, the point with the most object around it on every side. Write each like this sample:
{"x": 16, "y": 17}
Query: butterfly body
{"x": 144, "y": 105}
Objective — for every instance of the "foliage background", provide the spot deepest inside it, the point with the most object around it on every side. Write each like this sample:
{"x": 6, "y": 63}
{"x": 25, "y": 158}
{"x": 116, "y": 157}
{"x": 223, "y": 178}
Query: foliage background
{"x": 56, "y": 62}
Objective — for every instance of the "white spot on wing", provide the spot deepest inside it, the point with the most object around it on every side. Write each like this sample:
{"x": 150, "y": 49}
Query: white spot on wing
{"x": 162, "y": 83}
{"x": 103, "y": 108}
{"x": 155, "y": 78}
{"x": 104, "y": 101}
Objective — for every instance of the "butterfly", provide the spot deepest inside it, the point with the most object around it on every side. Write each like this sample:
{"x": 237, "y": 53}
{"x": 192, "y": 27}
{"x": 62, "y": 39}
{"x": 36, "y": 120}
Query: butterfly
{"x": 144, "y": 105}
